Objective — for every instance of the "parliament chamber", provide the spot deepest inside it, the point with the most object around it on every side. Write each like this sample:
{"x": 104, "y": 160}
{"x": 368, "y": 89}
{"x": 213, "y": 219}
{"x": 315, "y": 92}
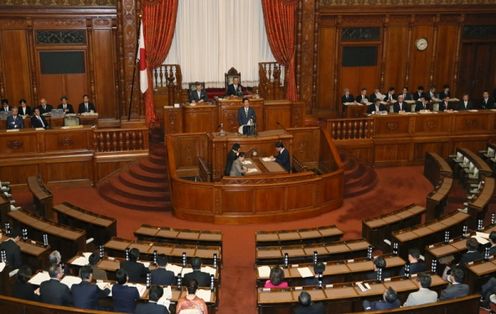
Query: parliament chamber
{"x": 366, "y": 144}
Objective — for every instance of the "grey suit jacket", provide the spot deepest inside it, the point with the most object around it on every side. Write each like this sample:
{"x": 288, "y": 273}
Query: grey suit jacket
{"x": 454, "y": 291}
{"x": 236, "y": 169}
{"x": 422, "y": 296}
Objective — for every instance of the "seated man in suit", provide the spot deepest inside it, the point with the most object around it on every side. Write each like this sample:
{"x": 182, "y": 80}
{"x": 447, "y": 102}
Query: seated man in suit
{"x": 445, "y": 93}
{"x": 37, "y": 120}
{"x": 362, "y": 98}
{"x": 53, "y": 291}
{"x": 24, "y": 109}
{"x": 15, "y": 121}
{"x": 416, "y": 264}
{"x": 377, "y": 95}
{"x": 5, "y": 105}
{"x": 456, "y": 288}
{"x": 282, "y": 156}
{"x": 199, "y": 94}
{"x": 238, "y": 169}
{"x": 419, "y": 94}
{"x": 391, "y": 95}
{"x": 98, "y": 273}
{"x": 135, "y": 270}
{"x": 201, "y": 277}
{"x": 44, "y": 107}
{"x": 401, "y": 105}
{"x": 376, "y": 107}
{"x": 424, "y": 295}
{"x": 466, "y": 104}
{"x": 347, "y": 96}
{"x": 65, "y": 106}
{"x": 235, "y": 89}
{"x": 86, "y": 105}
{"x": 151, "y": 307}
{"x": 160, "y": 275}
{"x": 487, "y": 102}
{"x": 12, "y": 249}
{"x": 389, "y": 301}
{"x": 231, "y": 156}
{"x": 247, "y": 118}
{"x": 432, "y": 95}
{"x": 472, "y": 254}
{"x": 492, "y": 237}
{"x": 318, "y": 270}
{"x": 406, "y": 94}
{"x": 305, "y": 305}
{"x": 124, "y": 297}
{"x": 22, "y": 289}
{"x": 379, "y": 265}
{"x": 422, "y": 104}
{"x": 445, "y": 105}
{"x": 86, "y": 294}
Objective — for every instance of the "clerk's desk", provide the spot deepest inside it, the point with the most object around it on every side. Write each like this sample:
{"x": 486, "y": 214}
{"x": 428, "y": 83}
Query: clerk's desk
{"x": 84, "y": 119}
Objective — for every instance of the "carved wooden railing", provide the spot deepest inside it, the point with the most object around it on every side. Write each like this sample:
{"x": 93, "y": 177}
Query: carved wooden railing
{"x": 205, "y": 172}
{"x": 270, "y": 85}
{"x": 120, "y": 140}
{"x": 351, "y": 129}
{"x": 167, "y": 84}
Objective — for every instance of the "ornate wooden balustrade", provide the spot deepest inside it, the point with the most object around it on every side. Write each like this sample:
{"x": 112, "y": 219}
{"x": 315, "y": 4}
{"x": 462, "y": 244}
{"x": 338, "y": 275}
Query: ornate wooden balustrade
{"x": 349, "y": 129}
{"x": 271, "y": 86}
{"x": 167, "y": 85}
{"x": 120, "y": 140}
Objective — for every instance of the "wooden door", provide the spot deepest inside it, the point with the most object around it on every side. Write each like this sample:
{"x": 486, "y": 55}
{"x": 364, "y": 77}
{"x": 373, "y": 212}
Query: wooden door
{"x": 477, "y": 69}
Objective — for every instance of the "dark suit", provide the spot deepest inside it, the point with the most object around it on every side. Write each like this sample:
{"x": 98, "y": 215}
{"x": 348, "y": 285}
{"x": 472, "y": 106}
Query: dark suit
{"x": 54, "y": 292}
{"x": 407, "y": 96}
{"x": 371, "y": 108}
{"x": 404, "y": 106}
{"x": 419, "y": 106}
{"x": 443, "y": 106}
{"x": 487, "y": 104}
{"x": 68, "y": 109}
{"x": 36, "y": 123}
{"x": 136, "y": 271}
{"x": 150, "y": 308}
{"x": 283, "y": 159}
{"x": 314, "y": 308}
{"x": 452, "y": 105}
{"x": 472, "y": 256}
{"x": 443, "y": 95}
{"x": 390, "y": 97}
{"x": 163, "y": 277}
{"x": 348, "y": 98}
{"x": 201, "y": 277}
{"x": 24, "y": 291}
{"x": 13, "y": 253}
{"x": 82, "y": 108}
{"x": 124, "y": 298}
{"x": 380, "y": 305}
{"x": 85, "y": 295}
{"x": 470, "y": 105}
{"x": 6, "y": 109}
{"x": 417, "y": 96}
{"x": 193, "y": 96}
{"x": 15, "y": 122}
{"x": 415, "y": 268}
{"x": 48, "y": 108}
{"x": 236, "y": 91}
{"x": 454, "y": 291}
{"x": 244, "y": 117}
{"x": 231, "y": 157}
{"x": 360, "y": 98}
{"x": 492, "y": 250}
{"x": 25, "y": 111}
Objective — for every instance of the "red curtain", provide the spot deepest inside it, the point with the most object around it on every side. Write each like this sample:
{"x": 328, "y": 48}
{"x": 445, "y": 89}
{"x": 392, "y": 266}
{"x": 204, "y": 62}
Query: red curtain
{"x": 279, "y": 17}
{"x": 159, "y": 23}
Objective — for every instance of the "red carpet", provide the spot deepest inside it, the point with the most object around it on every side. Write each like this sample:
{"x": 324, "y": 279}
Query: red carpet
{"x": 396, "y": 188}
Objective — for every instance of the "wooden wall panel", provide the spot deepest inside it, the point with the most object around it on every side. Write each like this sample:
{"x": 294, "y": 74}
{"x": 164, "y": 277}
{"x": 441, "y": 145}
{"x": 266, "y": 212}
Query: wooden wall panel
{"x": 396, "y": 57}
{"x": 326, "y": 68}
{"x": 16, "y": 71}
{"x": 445, "y": 67}
{"x": 421, "y": 61}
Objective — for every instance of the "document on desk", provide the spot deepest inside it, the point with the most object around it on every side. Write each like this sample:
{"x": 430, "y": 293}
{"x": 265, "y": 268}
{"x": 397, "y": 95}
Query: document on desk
{"x": 80, "y": 261}
{"x": 209, "y": 270}
{"x": 39, "y": 278}
{"x": 174, "y": 268}
{"x": 165, "y": 299}
{"x": 363, "y": 286}
{"x": 251, "y": 170}
{"x": 70, "y": 280}
{"x": 263, "y": 271}
{"x": 103, "y": 285}
{"x": 305, "y": 272}
{"x": 204, "y": 294}
{"x": 186, "y": 270}
{"x": 266, "y": 159}
{"x": 141, "y": 288}
{"x": 247, "y": 162}
{"x": 2, "y": 266}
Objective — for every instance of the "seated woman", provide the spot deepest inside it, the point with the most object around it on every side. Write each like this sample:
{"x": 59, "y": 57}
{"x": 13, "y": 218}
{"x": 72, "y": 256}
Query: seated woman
{"x": 276, "y": 279}
{"x": 191, "y": 303}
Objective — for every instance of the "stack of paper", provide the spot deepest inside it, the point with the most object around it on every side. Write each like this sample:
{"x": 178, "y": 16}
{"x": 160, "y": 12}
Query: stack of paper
{"x": 209, "y": 270}
{"x": 251, "y": 170}
{"x": 482, "y": 237}
{"x": 80, "y": 261}
{"x": 165, "y": 299}
{"x": 39, "y": 278}
{"x": 263, "y": 271}
{"x": 204, "y": 294}
{"x": 186, "y": 270}
{"x": 70, "y": 280}
{"x": 2, "y": 266}
{"x": 266, "y": 159}
{"x": 104, "y": 285}
{"x": 174, "y": 268}
{"x": 363, "y": 286}
{"x": 305, "y": 272}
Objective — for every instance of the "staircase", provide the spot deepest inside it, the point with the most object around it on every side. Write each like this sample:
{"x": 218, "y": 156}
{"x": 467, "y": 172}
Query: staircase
{"x": 358, "y": 178}
{"x": 143, "y": 185}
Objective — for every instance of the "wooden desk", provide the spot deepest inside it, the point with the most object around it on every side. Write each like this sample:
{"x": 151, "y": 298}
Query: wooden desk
{"x": 179, "y": 236}
{"x": 200, "y": 117}
{"x": 484, "y": 169}
{"x": 478, "y": 273}
{"x": 100, "y": 228}
{"x": 4, "y": 207}
{"x": 478, "y": 207}
{"x": 355, "y": 110}
{"x": 34, "y": 254}
{"x": 375, "y": 230}
{"x": 319, "y": 235}
{"x": 435, "y": 168}
{"x": 66, "y": 239}
{"x": 42, "y": 197}
{"x": 436, "y": 200}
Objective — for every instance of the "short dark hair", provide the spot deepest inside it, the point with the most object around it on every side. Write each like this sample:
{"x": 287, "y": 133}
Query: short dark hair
{"x": 276, "y": 276}
{"x": 242, "y": 154}
{"x": 161, "y": 260}
{"x": 85, "y": 272}
{"x": 457, "y": 274}
{"x": 121, "y": 276}
{"x": 192, "y": 286}
{"x": 196, "y": 263}
{"x": 414, "y": 252}
{"x": 391, "y": 88}
{"x": 377, "y": 100}
{"x": 279, "y": 144}
{"x": 198, "y": 83}
{"x": 22, "y": 100}
{"x": 420, "y": 87}
{"x": 492, "y": 236}
{"x": 319, "y": 268}
{"x": 472, "y": 244}
{"x": 425, "y": 280}
{"x": 363, "y": 88}
{"x": 134, "y": 254}
{"x": 64, "y": 97}
{"x": 5, "y": 101}
{"x": 380, "y": 262}
{"x": 86, "y": 95}
{"x": 391, "y": 296}
{"x": 236, "y": 146}
{"x": 24, "y": 274}
{"x": 155, "y": 293}
{"x": 305, "y": 299}
{"x": 93, "y": 259}
{"x": 245, "y": 99}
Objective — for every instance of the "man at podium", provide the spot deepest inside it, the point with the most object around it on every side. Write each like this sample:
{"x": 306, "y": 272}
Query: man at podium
{"x": 246, "y": 118}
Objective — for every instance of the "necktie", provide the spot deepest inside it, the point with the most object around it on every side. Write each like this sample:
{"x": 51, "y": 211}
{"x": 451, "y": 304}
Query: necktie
{"x": 41, "y": 120}
{"x": 86, "y": 106}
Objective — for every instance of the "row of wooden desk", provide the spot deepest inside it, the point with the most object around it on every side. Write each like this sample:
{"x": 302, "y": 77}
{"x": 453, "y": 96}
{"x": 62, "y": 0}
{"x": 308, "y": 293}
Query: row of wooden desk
{"x": 181, "y": 236}
{"x": 322, "y": 234}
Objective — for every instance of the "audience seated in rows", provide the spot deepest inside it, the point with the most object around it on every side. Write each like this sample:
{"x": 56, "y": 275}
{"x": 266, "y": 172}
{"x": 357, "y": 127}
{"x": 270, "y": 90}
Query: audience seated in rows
{"x": 22, "y": 289}
{"x": 191, "y": 304}
{"x": 53, "y": 291}
{"x": 151, "y": 307}
{"x": 472, "y": 254}
{"x": 456, "y": 287}
{"x": 160, "y": 275}
{"x": 86, "y": 294}
{"x": 306, "y": 306}
{"x": 276, "y": 279}
{"x": 424, "y": 295}
{"x": 379, "y": 264}
{"x": 124, "y": 297}
{"x": 135, "y": 270}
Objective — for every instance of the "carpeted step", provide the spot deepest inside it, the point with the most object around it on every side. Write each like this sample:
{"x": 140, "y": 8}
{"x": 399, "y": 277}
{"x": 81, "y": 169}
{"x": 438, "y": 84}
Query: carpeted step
{"x": 357, "y": 171}
{"x": 148, "y": 165}
{"x": 138, "y": 172}
{"x": 110, "y": 195}
{"x": 140, "y": 184}
{"x": 131, "y": 192}
{"x": 369, "y": 182}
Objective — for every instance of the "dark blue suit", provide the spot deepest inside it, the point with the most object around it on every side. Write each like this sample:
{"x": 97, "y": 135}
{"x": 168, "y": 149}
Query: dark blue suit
{"x": 244, "y": 118}
{"x": 454, "y": 291}
{"x": 124, "y": 298}
{"x": 68, "y": 108}
{"x": 314, "y": 308}
{"x": 193, "y": 96}
{"x": 404, "y": 106}
{"x": 163, "y": 277}
{"x": 201, "y": 277}
{"x": 136, "y": 271}
{"x": 56, "y": 293}
{"x": 86, "y": 295}
{"x": 13, "y": 253}
{"x": 151, "y": 308}
{"x": 380, "y": 305}
{"x": 36, "y": 123}
{"x": 415, "y": 268}
{"x": 283, "y": 159}
{"x": 236, "y": 91}
{"x": 24, "y": 290}
{"x": 82, "y": 108}
{"x": 48, "y": 108}
{"x": 15, "y": 122}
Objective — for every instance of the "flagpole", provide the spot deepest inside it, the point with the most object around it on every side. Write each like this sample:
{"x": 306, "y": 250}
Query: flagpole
{"x": 134, "y": 68}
